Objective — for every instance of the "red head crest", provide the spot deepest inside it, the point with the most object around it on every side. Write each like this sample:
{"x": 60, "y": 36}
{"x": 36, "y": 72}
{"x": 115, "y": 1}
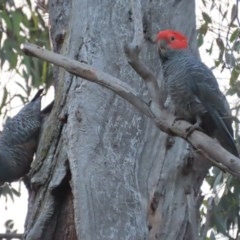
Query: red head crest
{"x": 172, "y": 39}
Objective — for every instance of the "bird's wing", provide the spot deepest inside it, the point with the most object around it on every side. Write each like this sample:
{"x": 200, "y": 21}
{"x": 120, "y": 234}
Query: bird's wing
{"x": 205, "y": 87}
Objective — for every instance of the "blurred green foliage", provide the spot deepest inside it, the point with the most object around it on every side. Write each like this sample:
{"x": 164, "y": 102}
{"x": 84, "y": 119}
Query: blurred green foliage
{"x": 221, "y": 24}
{"x": 225, "y": 29}
{"x": 7, "y": 190}
{"x": 20, "y": 23}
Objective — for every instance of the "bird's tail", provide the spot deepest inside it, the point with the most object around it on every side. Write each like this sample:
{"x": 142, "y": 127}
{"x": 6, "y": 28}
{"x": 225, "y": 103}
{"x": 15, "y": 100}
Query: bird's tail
{"x": 48, "y": 108}
{"x": 37, "y": 95}
{"x": 222, "y": 134}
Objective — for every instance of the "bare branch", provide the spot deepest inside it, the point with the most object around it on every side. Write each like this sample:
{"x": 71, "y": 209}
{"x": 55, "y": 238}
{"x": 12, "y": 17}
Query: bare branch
{"x": 163, "y": 119}
{"x": 11, "y": 235}
{"x": 85, "y": 71}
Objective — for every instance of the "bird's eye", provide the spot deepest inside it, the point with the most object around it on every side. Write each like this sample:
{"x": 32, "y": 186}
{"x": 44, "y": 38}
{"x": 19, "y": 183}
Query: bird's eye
{"x": 172, "y": 38}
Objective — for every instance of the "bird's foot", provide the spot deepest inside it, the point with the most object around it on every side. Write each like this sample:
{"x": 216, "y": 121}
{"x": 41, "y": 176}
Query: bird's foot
{"x": 178, "y": 118}
{"x": 192, "y": 128}
{"x": 195, "y": 126}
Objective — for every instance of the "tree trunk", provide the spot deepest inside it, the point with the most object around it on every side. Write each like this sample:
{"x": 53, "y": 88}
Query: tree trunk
{"x": 104, "y": 171}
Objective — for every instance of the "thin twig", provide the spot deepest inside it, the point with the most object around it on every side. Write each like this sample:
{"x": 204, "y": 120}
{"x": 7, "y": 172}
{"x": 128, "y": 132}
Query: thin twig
{"x": 132, "y": 51}
{"x": 11, "y": 235}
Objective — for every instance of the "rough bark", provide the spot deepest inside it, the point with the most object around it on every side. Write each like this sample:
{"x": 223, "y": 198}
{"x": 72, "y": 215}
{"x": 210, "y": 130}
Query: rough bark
{"x": 103, "y": 170}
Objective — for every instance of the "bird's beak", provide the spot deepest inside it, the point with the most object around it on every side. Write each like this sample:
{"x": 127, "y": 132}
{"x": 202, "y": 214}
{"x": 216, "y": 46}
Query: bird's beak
{"x": 161, "y": 45}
